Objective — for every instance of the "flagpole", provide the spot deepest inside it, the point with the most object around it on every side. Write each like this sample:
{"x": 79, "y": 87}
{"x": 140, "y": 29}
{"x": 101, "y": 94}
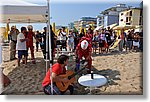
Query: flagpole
{"x": 50, "y": 50}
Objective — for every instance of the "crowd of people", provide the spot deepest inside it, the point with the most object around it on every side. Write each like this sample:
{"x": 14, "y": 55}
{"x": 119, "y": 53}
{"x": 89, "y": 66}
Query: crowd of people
{"x": 101, "y": 40}
{"x": 24, "y": 40}
{"x": 80, "y": 43}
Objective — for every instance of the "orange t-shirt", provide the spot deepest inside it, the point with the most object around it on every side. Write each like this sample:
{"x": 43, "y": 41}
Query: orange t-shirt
{"x": 56, "y": 68}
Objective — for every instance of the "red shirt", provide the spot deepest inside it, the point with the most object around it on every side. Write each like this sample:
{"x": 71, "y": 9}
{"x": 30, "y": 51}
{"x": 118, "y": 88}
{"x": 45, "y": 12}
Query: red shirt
{"x": 30, "y": 38}
{"x": 84, "y": 52}
{"x": 56, "y": 68}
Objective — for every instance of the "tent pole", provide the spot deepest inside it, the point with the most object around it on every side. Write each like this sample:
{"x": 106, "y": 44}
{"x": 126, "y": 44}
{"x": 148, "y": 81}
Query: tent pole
{"x": 1, "y": 82}
{"x": 46, "y": 47}
{"x": 50, "y": 50}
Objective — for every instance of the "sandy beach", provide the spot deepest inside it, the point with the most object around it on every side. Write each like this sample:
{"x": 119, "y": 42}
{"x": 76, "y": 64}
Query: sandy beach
{"x": 122, "y": 69}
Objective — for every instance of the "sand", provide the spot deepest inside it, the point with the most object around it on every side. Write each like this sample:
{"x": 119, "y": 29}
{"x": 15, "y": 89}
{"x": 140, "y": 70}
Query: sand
{"x": 122, "y": 69}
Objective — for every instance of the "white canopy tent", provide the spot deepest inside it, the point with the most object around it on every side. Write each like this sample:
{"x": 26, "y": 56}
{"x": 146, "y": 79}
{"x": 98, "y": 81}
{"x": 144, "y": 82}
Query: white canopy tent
{"x": 18, "y": 11}
{"x": 23, "y": 14}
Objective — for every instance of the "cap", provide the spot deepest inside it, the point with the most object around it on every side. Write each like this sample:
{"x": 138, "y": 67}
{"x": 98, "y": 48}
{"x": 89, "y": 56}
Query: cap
{"x": 84, "y": 44}
{"x": 30, "y": 27}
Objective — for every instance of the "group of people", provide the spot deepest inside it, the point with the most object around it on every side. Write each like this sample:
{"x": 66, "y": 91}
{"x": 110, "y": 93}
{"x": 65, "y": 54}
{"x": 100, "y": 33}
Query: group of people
{"x": 80, "y": 43}
{"x": 24, "y": 43}
{"x": 21, "y": 41}
{"x": 24, "y": 40}
{"x": 105, "y": 38}
{"x": 82, "y": 49}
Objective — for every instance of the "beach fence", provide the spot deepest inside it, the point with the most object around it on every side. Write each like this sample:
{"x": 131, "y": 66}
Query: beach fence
{"x": 71, "y": 55}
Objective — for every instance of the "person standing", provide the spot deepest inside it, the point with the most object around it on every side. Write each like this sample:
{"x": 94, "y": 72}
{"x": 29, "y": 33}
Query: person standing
{"x": 39, "y": 40}
{"x": 121, "y": 43}
{"x": 95, "y": 41}
{"x": 30, "y": 36}
{"x": 71, "y": 41}
{"x": 102, "y": 41}
{"x": 63, "y": 39}
{"x": 53, "y": 44}
{"x": 13, "y": 40}
{"x": 82, "y": 33}
{"x": 129, "y": 41}
{"x": 21, "y": 45}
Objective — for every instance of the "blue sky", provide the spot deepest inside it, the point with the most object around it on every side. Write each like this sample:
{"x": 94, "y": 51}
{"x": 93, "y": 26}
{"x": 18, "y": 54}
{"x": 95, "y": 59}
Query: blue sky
{"x": 66, "y": 11}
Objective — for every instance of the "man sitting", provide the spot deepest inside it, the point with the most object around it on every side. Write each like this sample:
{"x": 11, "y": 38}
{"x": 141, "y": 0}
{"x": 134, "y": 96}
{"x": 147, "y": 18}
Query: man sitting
{"x": 57, "y": 69}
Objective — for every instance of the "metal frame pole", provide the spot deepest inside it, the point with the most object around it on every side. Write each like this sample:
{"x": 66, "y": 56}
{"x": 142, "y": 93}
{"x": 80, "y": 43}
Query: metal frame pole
{"x": 1, "y": 82}
{"x": 50, "y": 50}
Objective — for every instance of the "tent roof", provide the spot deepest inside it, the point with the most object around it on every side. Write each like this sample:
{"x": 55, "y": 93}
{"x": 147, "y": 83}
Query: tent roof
{"x": 23, "y": 14}
{"x": 16, "y": 2}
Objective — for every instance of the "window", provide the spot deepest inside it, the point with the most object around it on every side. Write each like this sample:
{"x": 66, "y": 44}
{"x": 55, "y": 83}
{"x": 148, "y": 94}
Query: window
{"x": 128, "y": 23}
{"x": 127, "y": 19}
{"x": 130, "y": 13}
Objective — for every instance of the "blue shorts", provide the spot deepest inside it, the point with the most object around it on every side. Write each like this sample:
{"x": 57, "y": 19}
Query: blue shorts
{"x": 22, "y": 52}
{"x": 56, "y": 91}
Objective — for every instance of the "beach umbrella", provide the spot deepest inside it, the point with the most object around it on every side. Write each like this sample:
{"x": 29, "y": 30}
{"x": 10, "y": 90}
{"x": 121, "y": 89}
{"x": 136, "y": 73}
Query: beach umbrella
{"x": 113, "y": 25}
{"x": 126, "y": 27}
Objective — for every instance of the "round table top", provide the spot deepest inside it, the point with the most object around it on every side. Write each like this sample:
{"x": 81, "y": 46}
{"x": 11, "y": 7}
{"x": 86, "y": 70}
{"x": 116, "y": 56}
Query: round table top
{"x": 98, "y": 80}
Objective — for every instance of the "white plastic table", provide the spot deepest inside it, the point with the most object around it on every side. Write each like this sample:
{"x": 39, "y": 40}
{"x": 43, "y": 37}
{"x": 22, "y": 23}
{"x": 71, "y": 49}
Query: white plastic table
{"x": 98, "y": 80}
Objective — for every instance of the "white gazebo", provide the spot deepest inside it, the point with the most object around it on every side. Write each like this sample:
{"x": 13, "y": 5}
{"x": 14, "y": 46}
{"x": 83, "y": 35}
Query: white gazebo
{"x": 19, "y": 11}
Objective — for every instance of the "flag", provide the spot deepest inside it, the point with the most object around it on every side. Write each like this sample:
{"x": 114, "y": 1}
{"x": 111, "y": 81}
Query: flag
{"x": 53, "y": 27}
{"x": 75, "y": 29}
{"x": 7, "y": 31}
{"x": 67, "y": 31}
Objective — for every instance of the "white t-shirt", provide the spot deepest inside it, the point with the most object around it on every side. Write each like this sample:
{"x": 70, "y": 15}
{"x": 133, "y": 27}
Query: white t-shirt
{"x": 21, "y": 45}
{"x": 63, "y": 36}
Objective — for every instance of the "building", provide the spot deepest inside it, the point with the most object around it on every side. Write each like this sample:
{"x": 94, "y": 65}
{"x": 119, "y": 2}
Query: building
{"x": 110, "y": 15}
{"x": 70, "y": 25}
{"x": 132, "y": 16}
{"x": 77, "y": 25}
{"x": 86, "y": 21}
{"x": 100, "y": 20}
